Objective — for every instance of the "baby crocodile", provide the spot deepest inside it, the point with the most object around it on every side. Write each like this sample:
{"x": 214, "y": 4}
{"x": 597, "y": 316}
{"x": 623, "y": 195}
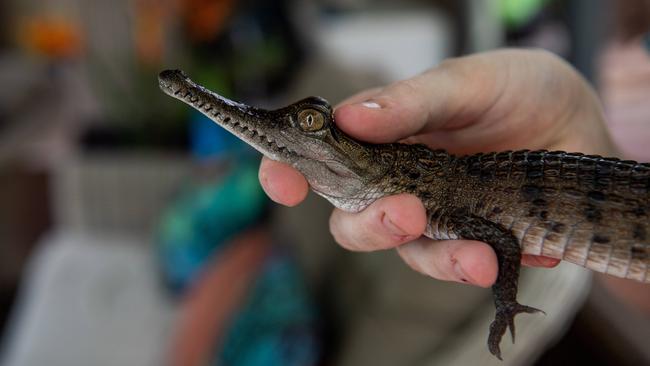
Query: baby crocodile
{"x": 585, "y": 209}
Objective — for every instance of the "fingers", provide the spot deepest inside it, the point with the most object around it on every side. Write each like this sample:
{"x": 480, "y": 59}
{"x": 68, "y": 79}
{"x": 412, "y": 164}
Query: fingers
{"x": 282, "y": 183}
{"x": 462, "y": 261}
{"x": 386, "y": 223}
{"x": 392, "y": 222}
{"x": 538, "y": 261}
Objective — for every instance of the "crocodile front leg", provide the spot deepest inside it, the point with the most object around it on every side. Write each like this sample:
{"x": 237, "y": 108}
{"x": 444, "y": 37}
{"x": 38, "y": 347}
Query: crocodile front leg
{"x": 504, "y": 289}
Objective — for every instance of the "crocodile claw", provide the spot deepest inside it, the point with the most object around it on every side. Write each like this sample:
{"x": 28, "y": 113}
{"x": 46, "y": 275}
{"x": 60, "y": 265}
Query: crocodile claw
{"x": 505, "y": 318}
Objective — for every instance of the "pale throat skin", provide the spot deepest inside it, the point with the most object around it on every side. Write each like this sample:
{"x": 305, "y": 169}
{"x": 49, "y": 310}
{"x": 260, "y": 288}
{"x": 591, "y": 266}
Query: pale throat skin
{"x": 585, "y": 209}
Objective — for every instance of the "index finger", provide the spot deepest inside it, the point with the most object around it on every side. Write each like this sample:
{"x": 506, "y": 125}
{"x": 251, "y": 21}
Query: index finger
{"x": 282, "y": 183}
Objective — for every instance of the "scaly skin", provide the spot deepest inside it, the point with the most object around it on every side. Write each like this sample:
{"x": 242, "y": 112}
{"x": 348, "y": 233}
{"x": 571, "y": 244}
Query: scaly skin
{"x": 588, "y": 210}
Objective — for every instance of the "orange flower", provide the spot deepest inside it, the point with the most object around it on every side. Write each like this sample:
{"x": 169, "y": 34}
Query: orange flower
{"x": 149, "y": 30}
{"x": 204, "y": 19}
{"x": 52, "y": 37}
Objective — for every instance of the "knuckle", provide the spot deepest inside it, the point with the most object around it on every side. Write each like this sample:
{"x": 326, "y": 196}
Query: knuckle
{"x": 408, "y": 86}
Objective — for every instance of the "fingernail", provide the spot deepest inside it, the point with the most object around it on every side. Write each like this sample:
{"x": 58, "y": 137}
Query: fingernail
{"x": 370, "y": 104}
{"x": 394, "y": 229}
{"x": 461, "y": 274}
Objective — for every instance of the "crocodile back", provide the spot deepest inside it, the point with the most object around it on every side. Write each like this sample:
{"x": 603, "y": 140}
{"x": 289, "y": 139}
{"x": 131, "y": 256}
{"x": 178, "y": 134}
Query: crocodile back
{"x": 585, "y": 209}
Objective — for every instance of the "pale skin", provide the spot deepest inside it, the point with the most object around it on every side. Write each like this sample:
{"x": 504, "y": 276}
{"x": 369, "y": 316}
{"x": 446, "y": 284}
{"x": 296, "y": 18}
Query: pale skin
{"x": 501, "y": 100}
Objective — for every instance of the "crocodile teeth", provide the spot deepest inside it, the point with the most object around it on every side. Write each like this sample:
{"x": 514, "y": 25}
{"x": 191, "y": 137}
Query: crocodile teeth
{"x": 248, "y": 132}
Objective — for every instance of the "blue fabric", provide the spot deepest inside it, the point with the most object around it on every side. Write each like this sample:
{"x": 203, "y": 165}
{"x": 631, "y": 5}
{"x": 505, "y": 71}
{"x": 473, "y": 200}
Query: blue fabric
{"x": 209, "y": 140}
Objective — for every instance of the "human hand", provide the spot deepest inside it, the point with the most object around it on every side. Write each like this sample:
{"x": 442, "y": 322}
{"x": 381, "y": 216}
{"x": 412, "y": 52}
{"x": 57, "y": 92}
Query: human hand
{"x": 508, "y": 99}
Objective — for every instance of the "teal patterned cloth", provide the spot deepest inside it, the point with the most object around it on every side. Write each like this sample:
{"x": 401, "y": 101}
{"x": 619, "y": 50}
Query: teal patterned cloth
{"x": 277, "y": 326}
{"x": 203, "y": 217}
{"x": 277, "y": 322}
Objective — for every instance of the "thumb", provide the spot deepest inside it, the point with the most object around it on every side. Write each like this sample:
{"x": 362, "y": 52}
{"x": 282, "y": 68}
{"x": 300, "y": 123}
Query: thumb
{"x": 446, "y": 97}
{"x": 389, "y": 114}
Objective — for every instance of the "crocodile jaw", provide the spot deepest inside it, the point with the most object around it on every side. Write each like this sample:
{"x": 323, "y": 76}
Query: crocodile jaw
{"x": 325, "y": 163}
{"x": 252, "y": 125}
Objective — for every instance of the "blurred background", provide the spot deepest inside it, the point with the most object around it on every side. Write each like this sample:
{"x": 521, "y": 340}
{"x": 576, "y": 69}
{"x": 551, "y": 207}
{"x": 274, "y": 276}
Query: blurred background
{"x": 134, "y": 232}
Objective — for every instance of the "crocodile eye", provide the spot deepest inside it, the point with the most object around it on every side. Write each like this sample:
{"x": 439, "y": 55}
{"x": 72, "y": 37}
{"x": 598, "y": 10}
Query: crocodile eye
{"x": 311, "y": 120}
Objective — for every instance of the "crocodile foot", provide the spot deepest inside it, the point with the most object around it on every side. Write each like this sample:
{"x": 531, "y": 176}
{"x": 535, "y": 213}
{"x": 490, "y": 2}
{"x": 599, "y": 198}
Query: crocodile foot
{"x": 505, "y": 318}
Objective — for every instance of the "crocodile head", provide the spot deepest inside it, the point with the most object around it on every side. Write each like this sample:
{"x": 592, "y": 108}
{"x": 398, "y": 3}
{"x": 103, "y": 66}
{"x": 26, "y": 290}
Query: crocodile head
{"x": 302, "y": 134}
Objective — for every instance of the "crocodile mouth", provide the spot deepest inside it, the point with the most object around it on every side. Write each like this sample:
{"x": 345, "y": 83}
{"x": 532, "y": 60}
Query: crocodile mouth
{"x": 321, "y": 155}
{"x": 239, "y": 119}
{"x": 255, "y": 137}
